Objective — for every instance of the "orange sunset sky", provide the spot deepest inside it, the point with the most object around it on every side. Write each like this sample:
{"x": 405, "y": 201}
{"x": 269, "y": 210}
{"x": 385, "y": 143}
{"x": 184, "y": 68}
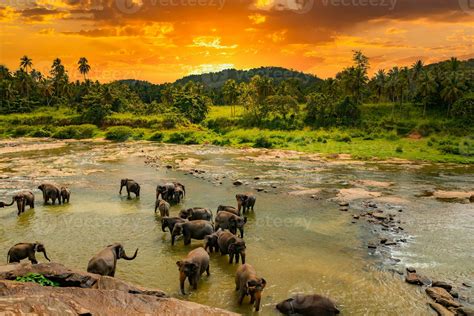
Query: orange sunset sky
{"x": 163, "y": 40}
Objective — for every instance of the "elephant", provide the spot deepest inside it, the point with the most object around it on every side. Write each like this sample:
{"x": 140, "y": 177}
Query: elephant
{"x": 131, "y": 186}
{"x": 232, "y": 222}
{"x": 197, "y": 229}
{"x": 166, "y": 191}
{"x": 105, "y": 262}
{"x": 196, "y": 213}
{"x": 229, "y": 209}
{"x": 232, "y": 245}
{"x": 191, "y": 267}
{"x": 245, "y": 201}
{"x": 163, "y": 206}
{"x": 178, "y": 195}
{"x": 65, "y": 194}
{"x": 210, "y": 242}
{"x": 26, "y": 250}
{"x": 247, "y": 283}
{"x": 312, "y": 304}
{"x": 170, "y": 222}
{"x": 22, "y": 199}
{"x": 50, "y": 191}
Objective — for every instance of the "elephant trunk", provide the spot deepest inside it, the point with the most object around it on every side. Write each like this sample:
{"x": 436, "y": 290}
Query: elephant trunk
{"x": 45, "y": 255}
{"x": 182, "y": 278}
{"x": 163, "y": 226}
{"x": 241, "y": 229}
{"x": 13, "y": 201}
{"x": 129, "y": 258}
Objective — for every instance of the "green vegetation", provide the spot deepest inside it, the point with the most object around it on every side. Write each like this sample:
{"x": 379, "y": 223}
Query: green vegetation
{"x": 37, "y": 278}
{"x": 419, "y": 113}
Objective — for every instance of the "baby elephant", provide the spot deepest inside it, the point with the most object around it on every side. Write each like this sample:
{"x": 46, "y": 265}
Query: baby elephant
{"x": 196, "y": 213}
{"x": 232, "y": 245}
{"x": 232, "y": 222}
{"x": 170, "y": 222}
{"x": 65, "y": 194}
{"x": 23, "y": 199}
{"x": 245, "y": 201}
{"x": 247, "y": 283}
{"x": 191, "y": 267}
{"x": 197, "y": 229}
{"x": 163, "y": 206}
{"x": 105, "y": 262}
{"x": 26, "y": 250}
{"x": 308, "y": 305}
{"x": 229, "y": 209}
{"x": 210, "y": 242}
{"x": 131, "y": 186}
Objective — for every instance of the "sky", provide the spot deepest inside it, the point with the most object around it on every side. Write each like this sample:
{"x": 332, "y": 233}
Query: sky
{"x": 163, "y": 40}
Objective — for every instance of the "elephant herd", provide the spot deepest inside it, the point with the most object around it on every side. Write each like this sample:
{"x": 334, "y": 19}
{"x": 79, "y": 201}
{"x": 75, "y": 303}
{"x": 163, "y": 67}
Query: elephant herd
{"x": 219, "y": 234}
{"x": 50, "y": 192}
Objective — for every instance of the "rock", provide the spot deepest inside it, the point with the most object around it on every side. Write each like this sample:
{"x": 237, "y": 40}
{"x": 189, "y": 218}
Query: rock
{"x": 383, "y": 240}
{"x": 85, "y": 293}
{"x": 169, "y": 167}
{"x": 379, "y": 216}
{"x": 353, "y": 222}
{"x": 371, "y": 245}
{"x": 18, "y": 298}
{"x": 344, "y": 209}
{"x": 259, "y": 189}
{"x": 471, "y": 198}
{"x": 441, "y": 296}
{"x": 256, "y": 178}
{"x": 442, "y": 284}
{"x": 465, "y": 311}
{"x": 372, "y": 204}
{"x": 414, "y": 278}
{"x": 467, "y": 284}
{"x": 343, "y": 203}
{"x": 400, "y": 210}
{"x": 238, "y": 182}
{"x": 390, "y": 243}
{"x": 274, "y": 186}
{"x": 411, "y": 270}
{"x": 454, "y": 294}
{"x": 355, "y": 216}
{"x": 441, "y": 310}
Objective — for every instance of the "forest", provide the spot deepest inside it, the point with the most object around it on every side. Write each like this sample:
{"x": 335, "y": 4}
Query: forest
{"x": 422, "y": 112}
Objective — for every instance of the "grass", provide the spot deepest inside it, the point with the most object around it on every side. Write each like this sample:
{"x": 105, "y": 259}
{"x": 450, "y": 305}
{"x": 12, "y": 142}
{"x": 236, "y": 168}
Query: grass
{"x": 383, "y": 139}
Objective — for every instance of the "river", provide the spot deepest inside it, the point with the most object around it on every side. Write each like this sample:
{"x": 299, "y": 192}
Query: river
{"x": 297, "y": 239}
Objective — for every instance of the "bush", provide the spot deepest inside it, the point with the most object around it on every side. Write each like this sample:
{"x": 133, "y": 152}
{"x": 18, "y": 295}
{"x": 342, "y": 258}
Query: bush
{"x": 157, "y": 137}
{"x": 399, "y": 149}
{"x": 118, "y": 133}
{"x": 342, "y": 138}
{"x": 75, "y": 131}
{"x": 41, "y": 133}
{"x": 463, "y": 109}
{"x": 22, "y": 130}
{"x": 36, "y": 278}
{"x": 187, "y": 138}
{"x": 392, "y": 136}
{"x": 263, "y": 142}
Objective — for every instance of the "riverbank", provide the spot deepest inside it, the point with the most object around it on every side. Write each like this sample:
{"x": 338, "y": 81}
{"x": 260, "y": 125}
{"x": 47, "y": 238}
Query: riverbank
{"x": 429, "y": 140}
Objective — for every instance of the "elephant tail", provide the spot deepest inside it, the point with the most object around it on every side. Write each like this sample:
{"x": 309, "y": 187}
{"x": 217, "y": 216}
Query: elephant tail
{"x": 8, "y": 256}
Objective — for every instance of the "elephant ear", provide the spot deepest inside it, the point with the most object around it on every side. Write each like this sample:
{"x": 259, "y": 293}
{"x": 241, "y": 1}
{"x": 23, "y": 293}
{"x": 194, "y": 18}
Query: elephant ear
{"x": 231, "y": 248}
{"x": 194, "y": 267}
{"x": 179, "y": 263}
{"x": 118, "y": 251}
{"x": 263, "y": 283}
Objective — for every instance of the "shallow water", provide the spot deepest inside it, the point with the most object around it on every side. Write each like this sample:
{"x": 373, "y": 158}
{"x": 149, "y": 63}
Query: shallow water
{"x": 298, "y": 244}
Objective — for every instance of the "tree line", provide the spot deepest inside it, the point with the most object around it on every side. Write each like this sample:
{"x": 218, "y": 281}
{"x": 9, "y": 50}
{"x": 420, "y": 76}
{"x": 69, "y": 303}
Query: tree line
{"x": 445, "y": 88}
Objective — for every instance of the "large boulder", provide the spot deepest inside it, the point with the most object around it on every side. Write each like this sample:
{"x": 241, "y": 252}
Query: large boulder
{"x": 441, "y": 296}
{"x": 17, "y": 298}
{"x": 81, "y": 292}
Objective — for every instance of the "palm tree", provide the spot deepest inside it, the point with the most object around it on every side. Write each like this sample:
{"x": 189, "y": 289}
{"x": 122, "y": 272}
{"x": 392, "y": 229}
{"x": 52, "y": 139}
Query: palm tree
{"x": 454, "y": 64}
{"x": 84, "y": 66}
{"x": 25, "y": 63}
{"x": 452, "y": 90}
{"x": 426, "y": 86}
{"x": 380, "y": 82}
{"x": 416, "y": 70}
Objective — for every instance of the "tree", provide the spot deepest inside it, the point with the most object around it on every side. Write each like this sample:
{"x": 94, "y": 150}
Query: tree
{"x": 94, "y": 108}
{"x": 84, "y": 66}
{"x": 282, "y": 104}
{"x": 319, "y": 110}
{"x": 25, "y": 63}
{"x": 230, "y": 91}
{"x": 463, "y": 109}
{"x": 193, "y": 106}
{"x": 452, "y": 90}
{"x": 347, "y": 112}
{"x": 426, "y": 86}
{"x": 380, "y": 82}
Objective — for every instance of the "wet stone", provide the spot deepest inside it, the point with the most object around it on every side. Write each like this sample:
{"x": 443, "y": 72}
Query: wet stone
{"x": 443, "y": 285}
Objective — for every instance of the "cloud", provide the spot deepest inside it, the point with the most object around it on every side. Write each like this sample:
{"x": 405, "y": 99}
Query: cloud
{"x": 257, "y": 18}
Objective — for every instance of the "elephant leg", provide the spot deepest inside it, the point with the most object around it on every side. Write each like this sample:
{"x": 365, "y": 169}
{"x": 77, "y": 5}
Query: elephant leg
{"x": 32, "y": 258}
{"x": 208, "y": 272}
{"x": 237, "y": 255}
{"x": 231, "y": 257}
{"x": 128, "y": 192}
{"x": 252, "y": 299}
{"x": 241, "y": 297}
{"x": 172, "y": 240}
{"x": 53, "y": 200}
{"x": 187, "y": 240}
